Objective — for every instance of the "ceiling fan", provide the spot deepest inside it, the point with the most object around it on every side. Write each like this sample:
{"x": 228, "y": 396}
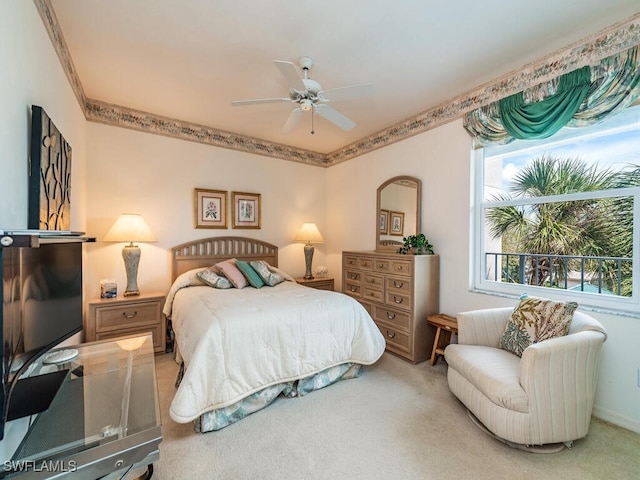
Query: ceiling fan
{"x": 308, "y": 95}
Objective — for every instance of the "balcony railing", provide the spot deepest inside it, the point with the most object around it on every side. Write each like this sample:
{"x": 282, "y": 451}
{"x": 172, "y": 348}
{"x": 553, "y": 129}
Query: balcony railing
{"x": 604, "y": 275}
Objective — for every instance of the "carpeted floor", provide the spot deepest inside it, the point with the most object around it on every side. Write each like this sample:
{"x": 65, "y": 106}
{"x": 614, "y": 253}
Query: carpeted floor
{"x": 397, "y": 421}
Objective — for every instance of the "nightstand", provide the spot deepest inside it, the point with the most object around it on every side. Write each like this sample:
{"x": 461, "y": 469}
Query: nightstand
{"x": 116, "y": 317}
{"x": 319, "y": 283}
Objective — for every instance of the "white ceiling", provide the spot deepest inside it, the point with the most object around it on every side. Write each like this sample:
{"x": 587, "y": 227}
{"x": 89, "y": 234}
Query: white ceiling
{"x": 189, "y": 59}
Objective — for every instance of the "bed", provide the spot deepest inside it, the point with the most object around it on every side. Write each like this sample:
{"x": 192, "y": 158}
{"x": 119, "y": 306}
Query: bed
{"x": 241, "y": 348}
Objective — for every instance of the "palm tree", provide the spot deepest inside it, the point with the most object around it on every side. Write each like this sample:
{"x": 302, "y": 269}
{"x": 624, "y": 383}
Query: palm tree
{"x": 581, "y": 228}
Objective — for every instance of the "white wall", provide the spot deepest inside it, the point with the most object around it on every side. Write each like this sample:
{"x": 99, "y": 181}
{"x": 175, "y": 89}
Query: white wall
{"x": 441, "y": 158}
{"x": 32, "y": 75}
{"x": 134, "y": 172}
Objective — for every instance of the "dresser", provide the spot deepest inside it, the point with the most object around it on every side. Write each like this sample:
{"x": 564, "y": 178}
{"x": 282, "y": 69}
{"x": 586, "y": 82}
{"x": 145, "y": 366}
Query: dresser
{"x": 115, "y": 317}
{"x": 399, "y": 292}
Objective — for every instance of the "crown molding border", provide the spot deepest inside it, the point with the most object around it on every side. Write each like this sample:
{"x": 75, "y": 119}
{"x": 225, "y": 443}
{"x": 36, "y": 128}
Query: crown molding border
{"x": 115, "y": 115}
{"x": 614, "y": 39}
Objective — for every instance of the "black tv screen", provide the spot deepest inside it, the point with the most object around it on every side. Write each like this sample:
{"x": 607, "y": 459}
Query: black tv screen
{"x": 42, "y": 305}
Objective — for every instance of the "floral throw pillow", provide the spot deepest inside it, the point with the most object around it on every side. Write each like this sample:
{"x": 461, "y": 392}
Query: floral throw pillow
{"x": 262, "y": 268}
{"x": 213, "y": 279}
{"x": 536, "y": 319}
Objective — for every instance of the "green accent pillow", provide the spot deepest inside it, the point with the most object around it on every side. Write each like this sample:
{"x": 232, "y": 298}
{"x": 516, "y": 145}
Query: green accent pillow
{"x": 268, "y": 277}
{"x": 250, "y": 274}
{"x": 213, "y": 279}
{"x": 536, "y": 319}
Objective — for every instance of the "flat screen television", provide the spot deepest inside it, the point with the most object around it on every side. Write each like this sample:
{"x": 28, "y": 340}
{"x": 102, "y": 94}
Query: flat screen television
{"x": 41, "y": 307}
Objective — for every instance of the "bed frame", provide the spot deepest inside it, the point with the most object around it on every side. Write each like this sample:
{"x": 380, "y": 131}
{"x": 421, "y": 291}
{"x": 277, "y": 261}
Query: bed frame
{"x": 207, "y": 251}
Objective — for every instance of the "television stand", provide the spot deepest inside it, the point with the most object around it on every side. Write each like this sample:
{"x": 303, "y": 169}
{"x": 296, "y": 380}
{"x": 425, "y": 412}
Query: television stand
{"x": 104, "y": 421}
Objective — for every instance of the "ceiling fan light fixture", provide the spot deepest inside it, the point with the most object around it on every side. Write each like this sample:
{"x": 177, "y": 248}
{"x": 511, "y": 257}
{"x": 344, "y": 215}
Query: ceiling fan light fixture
{"x": 305, "y": 105}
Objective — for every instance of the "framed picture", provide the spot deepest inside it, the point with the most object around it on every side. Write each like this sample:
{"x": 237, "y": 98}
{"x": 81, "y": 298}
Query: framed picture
{"x": 49, "y": 175}
{"x": 384, "y": 221}
{"x": 396, "y": 223}
{"x": 246, "y": 210}
{"x": 210, "y": 208}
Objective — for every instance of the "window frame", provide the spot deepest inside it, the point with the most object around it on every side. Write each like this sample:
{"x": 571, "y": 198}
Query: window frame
{"x": 627, "y": 306}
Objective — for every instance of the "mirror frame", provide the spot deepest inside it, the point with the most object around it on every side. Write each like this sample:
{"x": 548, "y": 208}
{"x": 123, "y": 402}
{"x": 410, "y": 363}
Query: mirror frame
{"x": 418, "y": 182}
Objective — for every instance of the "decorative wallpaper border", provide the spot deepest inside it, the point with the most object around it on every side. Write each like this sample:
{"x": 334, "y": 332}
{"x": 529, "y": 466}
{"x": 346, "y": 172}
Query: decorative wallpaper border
{"x": 614, "y": 39}
{"x": 101, "y": 112}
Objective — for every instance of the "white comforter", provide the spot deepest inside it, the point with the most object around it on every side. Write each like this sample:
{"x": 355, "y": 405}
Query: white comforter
{"x": 237, "y": 342}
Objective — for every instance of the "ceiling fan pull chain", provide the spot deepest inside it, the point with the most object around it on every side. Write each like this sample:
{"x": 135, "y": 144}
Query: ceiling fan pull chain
{"x": 312, "y": 132}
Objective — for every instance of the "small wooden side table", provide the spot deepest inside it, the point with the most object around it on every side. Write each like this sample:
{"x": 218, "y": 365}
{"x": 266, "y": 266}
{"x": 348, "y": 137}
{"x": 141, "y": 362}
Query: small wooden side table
{"x": 319, "y": 283}
{"x": 445, "y": 325}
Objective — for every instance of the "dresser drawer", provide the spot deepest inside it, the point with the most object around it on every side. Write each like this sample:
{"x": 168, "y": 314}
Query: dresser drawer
{"x": 374, "y": 281}
{"x": 395, "y": 339}
{"x": 365, "y": 263}
{"x": 381, "y": 265}
{"x": 352, "y": 275}
{"x": 372, "y": 293}
{"x": 401, "y": 267}
{"x": 399, "y": 285}
{"x": 351, "y": 261}
{"x": 352, "y": 288}
{"x": 368, "y": 307}
{"x": 398, "y": 300}
{"x": 396, "y": 318}
{"x": 126, "y": 316}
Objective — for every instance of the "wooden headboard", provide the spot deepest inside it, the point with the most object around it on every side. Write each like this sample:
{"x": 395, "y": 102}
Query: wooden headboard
{"x": 207, "y": 251}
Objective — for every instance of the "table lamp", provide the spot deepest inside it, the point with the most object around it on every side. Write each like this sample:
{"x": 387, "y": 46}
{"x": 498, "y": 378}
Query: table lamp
{"x": 130, "y": 227}
{"x": 308, "y": 234}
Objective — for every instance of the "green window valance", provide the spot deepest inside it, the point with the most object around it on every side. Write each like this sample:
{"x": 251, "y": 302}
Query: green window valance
{"x": 579, "y": 98}
{"x": 544, "y": 118}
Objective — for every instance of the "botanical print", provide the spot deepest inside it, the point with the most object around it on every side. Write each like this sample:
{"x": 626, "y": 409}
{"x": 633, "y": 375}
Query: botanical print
{"x": 384, "y": 221}
{"x": 397, "y": 223}
{"x": 246, "y": 209}
{"x": 210, "y": 208}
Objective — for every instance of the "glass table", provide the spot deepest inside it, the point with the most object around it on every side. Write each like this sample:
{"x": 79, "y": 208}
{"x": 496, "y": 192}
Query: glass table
{"x": 104, "y": 422}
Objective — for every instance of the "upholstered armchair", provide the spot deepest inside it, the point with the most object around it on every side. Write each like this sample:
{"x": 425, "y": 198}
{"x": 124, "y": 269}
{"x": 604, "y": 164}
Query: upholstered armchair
{"x": 544, "y": 397}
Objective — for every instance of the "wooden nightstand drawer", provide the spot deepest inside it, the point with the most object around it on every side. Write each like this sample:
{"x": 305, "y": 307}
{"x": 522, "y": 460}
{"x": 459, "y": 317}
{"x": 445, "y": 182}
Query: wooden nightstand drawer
{"x": 155, "y": 330}
{"x": 127, "y": 316}
{"x": 117, "y": 317}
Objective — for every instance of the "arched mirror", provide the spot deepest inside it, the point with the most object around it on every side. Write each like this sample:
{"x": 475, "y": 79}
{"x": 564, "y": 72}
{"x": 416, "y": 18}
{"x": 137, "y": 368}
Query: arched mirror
{"x": 398, "y": 211}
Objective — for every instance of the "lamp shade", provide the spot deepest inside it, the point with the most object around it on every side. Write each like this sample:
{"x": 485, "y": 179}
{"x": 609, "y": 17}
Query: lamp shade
{"x": 308, "y": 234}
{"x": 129, "y": 227}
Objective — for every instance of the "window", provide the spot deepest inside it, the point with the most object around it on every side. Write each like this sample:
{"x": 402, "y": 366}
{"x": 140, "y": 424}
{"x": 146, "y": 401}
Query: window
{"x": 560, "y": 217}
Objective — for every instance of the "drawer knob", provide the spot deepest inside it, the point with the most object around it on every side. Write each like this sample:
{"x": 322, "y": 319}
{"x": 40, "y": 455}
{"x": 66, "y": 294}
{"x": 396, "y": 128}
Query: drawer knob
{"x": 391, "y": 334}
{"x": 381, "y": 265}
{"x": 354, "y": 289}
{"x": 400, "y": 267}
{"x": 129, "y": 316}
{"x": 373, "y": 280}
{"x": 395, "y": 299}
{"x": 398, "y": 284}
{"x": 353, "y": 276}
{"x": 391, "y": 316}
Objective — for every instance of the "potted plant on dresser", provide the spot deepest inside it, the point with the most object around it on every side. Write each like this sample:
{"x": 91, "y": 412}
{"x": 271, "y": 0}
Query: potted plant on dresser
{"x": 416, "y": 245}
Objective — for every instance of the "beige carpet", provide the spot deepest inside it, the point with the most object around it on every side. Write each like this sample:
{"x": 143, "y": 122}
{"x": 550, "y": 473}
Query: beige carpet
{"x": 397, "y": 421}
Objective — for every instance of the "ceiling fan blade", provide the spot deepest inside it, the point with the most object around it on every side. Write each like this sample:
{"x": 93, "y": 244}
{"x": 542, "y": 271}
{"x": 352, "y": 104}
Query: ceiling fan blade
{"x": 257, "y": 101}
{"x": 349, "y": 92}
{"x": 335, "y": 116}
{"x": 293, "y": 120}
{"x": 289, "y": 71}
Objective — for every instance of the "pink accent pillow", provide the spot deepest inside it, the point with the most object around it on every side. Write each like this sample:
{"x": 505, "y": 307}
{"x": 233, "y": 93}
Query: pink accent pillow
{"x": 234, "y": 275}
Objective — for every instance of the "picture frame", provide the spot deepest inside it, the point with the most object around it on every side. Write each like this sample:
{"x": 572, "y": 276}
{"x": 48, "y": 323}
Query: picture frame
{"x": 246, "y": 210}
{"x": 49, "y": 199}
{"x": 384, "y": 221}
{"x": 210, "y": 208}
{"x": 396, "y": 223}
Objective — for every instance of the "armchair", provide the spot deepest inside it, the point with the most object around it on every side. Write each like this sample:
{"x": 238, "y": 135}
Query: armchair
{"x": 544, "y": 397}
